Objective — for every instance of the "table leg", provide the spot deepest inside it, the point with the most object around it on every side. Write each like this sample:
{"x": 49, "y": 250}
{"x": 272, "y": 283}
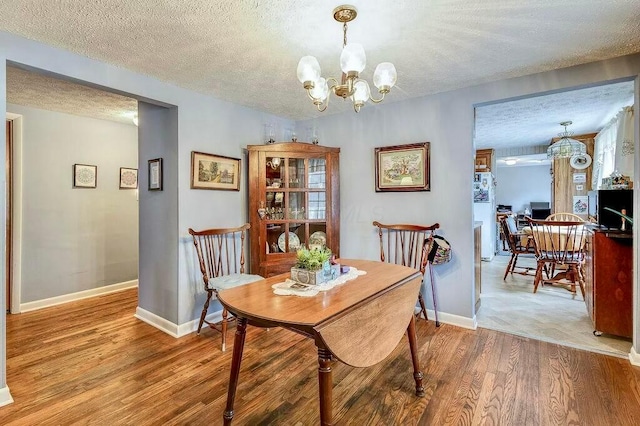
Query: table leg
{"x": 238, "y": 346}
{"x": 413, "y": 345}
{"x": 326, "y": 386}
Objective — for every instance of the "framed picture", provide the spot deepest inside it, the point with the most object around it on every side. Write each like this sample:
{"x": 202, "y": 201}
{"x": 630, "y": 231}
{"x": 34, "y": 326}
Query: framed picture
{"x": 128, "y": 178}
{"x": 403, "y": 167}
{"x": 85, "y": 176}
{"x": 210, "y": 171}
{"x": 155, "y": 174}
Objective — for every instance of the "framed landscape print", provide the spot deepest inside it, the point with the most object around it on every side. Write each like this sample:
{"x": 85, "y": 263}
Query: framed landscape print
{"x": 128, "y": 178}
{"x": 403, "y": 167}
{"x": 155, "y": 174}
{"x": 209, "y": 171}
{"x": 85, "y": 176}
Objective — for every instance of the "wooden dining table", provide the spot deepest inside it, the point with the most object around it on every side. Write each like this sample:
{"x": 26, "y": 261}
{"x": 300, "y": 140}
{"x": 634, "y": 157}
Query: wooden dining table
{"x": 358, "y": 323}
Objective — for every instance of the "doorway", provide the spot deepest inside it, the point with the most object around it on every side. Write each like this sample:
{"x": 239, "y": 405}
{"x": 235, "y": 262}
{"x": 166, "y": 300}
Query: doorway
{"x": 520, "y": 134}
{"x": 63, "y": 229}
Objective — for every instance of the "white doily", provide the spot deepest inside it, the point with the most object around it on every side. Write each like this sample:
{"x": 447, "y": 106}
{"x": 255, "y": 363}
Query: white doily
{"x": 293, "y": 288}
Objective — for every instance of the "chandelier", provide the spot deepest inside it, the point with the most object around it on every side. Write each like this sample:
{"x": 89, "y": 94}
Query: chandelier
{"x": 566, "y": 147}
{"x": 352, "y": 61}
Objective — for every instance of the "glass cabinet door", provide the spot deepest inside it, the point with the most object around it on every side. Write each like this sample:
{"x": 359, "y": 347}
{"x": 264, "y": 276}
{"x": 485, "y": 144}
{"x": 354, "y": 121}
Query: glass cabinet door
{"x": 295, "y": 203}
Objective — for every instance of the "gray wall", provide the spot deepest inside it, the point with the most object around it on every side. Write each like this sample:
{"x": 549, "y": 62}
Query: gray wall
{"x": 447, "y": 121}
{"x": 75, "y": 239}
{"x": 158, "y": 282}
{"x": 519, "y": 185}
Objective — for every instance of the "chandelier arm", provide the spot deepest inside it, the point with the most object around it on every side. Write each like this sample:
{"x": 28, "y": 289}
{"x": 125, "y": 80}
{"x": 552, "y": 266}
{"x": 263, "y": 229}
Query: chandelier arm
{"x": 376, "y": 101}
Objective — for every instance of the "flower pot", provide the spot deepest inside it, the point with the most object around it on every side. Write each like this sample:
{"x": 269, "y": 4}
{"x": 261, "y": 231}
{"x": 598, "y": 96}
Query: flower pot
{"x": 306, "y": 276}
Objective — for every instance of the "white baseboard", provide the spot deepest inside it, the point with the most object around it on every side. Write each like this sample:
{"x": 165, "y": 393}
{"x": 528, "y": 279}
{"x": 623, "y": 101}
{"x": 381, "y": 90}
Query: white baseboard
{"x": 458, "y": 321}
{"x": 5, "y": 396}
{"x": 171, "y": 328}
{"x": 192, "y": 326}
{"x": 634, "y": 357}
{"x": 66, "y": 298}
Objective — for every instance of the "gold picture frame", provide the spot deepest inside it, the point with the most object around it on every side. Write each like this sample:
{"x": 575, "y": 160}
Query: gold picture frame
{"x": 403, "y": 168}
{"x": 209, "y": 171}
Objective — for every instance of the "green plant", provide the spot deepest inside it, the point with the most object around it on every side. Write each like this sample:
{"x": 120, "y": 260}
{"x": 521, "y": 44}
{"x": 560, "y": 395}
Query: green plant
{"x": 629, "y": 219}
{"x": 312, "y": 260}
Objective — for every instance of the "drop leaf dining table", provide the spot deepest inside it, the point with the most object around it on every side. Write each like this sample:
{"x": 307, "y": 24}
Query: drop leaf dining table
{"x": 358, "y": 323}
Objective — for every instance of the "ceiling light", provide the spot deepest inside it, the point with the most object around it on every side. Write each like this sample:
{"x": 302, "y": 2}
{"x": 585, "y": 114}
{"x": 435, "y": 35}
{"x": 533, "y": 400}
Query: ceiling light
{"x": 566, "y": 147}
{"x": 352, "y": 61}
{"x": 510, "y": 161}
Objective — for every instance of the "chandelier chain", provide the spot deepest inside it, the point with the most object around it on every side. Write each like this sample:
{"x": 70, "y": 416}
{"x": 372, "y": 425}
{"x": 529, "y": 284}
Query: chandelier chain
{"x": 344, "y": 39}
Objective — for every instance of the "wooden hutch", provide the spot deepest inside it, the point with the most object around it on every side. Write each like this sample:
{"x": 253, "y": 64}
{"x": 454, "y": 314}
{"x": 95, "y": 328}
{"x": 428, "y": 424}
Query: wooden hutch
{"x": 294, "y": 200}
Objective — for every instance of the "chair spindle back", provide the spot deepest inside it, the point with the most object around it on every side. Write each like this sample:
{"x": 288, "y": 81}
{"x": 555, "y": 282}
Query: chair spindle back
{"x": 220, "y": 251}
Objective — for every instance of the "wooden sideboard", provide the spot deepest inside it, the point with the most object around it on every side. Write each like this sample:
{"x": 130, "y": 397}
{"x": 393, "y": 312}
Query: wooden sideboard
{"x": 608, "y": 274}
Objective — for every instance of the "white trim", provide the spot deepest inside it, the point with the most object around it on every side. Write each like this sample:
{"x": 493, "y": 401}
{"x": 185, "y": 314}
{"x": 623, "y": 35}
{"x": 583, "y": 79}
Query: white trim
{"x": 5, "y": 396}
{"x": 16, "y": 225}
{"x": 158, "y": 322}
{"x": 451, "y": 319}
{"x": 634, "y": 357}
{"x": 457, "y": 320}
{"x": 172, "y": 329}
{"x": 192, "y": 326}
{"x": 72, "y": 297}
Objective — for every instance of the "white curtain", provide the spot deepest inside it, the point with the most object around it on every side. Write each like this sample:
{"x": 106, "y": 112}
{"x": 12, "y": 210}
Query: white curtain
{"x": 614, "y": 148}
{"x": 624, "y": 143}
{"x": 604, "y": 153}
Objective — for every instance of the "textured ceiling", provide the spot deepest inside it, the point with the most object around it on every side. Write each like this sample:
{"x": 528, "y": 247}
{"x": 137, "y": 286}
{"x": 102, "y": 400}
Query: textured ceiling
{"x": 534, "y": 121}
{"x": 246, "y": 51}
{"x": 43, "y": 92}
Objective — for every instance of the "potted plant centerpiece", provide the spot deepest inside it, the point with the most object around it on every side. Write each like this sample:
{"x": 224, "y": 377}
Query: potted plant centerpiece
{"x": 312, "y": 266}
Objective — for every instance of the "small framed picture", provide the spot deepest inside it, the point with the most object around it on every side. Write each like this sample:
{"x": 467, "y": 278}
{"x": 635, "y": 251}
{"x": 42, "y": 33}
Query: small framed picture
{"x": 209, "y": 171}
{"x": 155, "y": 174}
{"x": 128, "y": 178}
{"x": 403, "y": 167}
{"x": 85, "y": 176}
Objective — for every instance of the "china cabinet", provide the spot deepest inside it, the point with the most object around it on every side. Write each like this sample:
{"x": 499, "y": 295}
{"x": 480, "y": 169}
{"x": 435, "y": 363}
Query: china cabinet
{"x": 294, "y": 200}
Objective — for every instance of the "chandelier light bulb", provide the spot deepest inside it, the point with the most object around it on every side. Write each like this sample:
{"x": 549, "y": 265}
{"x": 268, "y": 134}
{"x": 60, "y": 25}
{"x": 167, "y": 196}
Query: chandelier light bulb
{"x": 353, "y": 58}
{"x": 385, "y": 76}
{"x": 308, "y": 70}
{"x": 361, "y": 93}
{"x": 320, "y": 90}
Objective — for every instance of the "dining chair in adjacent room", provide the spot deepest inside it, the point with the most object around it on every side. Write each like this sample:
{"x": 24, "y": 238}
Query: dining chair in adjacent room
{"x": 221, "y": 259}
{"x": 566, "y": 217}
{"x": 406, "y": 245}
{"x": 560, "y": 246}
{"x": 519, "y": 243}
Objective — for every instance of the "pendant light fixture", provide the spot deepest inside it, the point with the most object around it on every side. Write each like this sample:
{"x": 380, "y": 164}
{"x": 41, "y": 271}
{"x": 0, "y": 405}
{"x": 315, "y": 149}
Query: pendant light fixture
{"x": 566, "y": 147}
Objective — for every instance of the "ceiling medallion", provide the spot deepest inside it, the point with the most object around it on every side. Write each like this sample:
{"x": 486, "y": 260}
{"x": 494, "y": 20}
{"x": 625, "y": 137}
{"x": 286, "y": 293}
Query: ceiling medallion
{"x": 352, "y": 62}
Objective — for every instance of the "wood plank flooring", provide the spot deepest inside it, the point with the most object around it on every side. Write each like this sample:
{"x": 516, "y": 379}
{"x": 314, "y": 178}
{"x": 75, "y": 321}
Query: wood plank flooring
{"x": 91, "y": 362}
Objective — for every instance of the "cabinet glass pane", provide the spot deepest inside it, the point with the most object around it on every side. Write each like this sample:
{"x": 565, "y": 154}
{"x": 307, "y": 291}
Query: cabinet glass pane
{"x": 273, "y": 234}
{"x": 296, "y": 206}
{"x": 275, "y": 172}
{"x": 317, "y": 235}
{"x": 317, "y": 205}
{"x": 275, "y": 205}
{"x": 317, "y": 173}
{"x": 296, "y": 173}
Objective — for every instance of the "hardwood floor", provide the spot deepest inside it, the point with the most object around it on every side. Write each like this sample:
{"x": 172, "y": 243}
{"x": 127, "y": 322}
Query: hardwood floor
{"x": 92, "y": 362}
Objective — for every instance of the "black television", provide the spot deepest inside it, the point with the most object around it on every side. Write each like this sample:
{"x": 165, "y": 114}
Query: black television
{"x": 617, "y": 199}
{"x": 540, "y": 214}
